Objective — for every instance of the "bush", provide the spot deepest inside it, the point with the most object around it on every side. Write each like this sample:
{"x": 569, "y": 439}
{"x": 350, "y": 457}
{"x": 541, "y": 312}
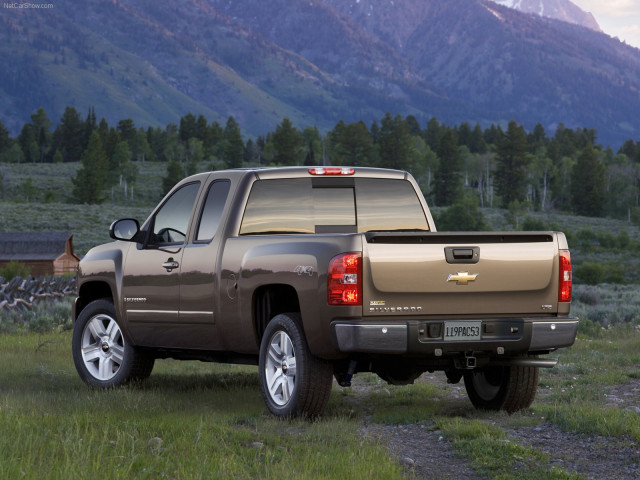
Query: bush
{"x": 43, "y": 317}
{"x": 531, "y": 224}
{"x": 589, "y": 273}
{"x": 587, "y": 295}
{"x": 463, "y": 216}
{"x": 14, "y": 269}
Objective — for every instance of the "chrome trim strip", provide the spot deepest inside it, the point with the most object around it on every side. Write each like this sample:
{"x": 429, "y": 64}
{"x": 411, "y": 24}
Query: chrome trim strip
{"x": 171, "y": 316}
{"x": 526, "y": 362}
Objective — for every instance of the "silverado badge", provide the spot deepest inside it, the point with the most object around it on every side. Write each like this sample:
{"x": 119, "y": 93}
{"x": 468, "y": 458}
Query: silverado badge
{"x": 462, "y": 278}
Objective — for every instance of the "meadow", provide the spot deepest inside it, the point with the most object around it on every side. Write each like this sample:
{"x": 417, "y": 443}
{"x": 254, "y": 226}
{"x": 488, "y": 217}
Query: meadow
{"x": 192, "y": 420}
{"x": 198, "y": 420}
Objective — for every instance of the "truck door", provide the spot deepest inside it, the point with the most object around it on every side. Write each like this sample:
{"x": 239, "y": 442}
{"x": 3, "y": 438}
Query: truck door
{"x": 199, "y": 276}
{"x": 151, "y": 276}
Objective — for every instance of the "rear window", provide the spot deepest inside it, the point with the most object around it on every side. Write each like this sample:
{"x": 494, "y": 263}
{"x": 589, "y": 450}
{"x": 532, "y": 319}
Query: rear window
{"x": 305, "y": 205}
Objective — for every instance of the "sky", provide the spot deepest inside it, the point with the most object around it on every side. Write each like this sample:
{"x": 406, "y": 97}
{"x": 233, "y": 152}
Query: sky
{"x": 618, "y": 18}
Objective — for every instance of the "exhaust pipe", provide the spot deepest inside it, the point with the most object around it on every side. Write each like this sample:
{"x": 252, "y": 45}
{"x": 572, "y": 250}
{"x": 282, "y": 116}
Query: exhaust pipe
{"x": 526, "y": 362}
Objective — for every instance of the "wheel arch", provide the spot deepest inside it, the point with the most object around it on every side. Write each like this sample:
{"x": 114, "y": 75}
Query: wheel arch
{"x": 271, "y": 300}
{"x": 90, "y": 291}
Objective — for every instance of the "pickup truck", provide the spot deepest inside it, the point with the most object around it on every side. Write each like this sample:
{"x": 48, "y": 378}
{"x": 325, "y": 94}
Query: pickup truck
{"x": 320, "y": 273}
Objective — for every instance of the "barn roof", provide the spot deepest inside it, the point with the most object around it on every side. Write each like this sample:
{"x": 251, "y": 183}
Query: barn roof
{"x": 22, "y": 246}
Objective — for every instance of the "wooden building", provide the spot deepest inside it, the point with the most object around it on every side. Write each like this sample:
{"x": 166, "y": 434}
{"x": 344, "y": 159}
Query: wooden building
{"x": 44, "y": 253}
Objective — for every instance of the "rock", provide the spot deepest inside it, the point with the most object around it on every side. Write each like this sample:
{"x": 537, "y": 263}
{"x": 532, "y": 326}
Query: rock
{"x": 410, "y": 462}
{"x": 155, "y": 445}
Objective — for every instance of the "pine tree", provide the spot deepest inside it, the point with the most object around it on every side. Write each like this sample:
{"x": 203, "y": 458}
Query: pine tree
{"x": 127, "y": 130}
{"x": 464, "y": 134}
{"x": 354, "y": 146}
{"x": 413, "y": 125}
{"x": 90, "y": 124}
{"x": 233, "y": 145}
{"x": 511, "y": 164}
{"x": 312, "y": 140}
{"x": 5, "y": 140}
{"x": 395, "y": 143}
{"x": 175, "y": 173}
{"x": 26, "y": 140}
{"x": 537, "y": 139}
{"x": 629, "y": 148}
{"x": 42, "y": 133}
{"x": 448, "y": 179}
{"x": 433, "y": 133}
{"x": 188, "y": 128}
{"x": 70, "y": 135}
{"x": 90, "y": 181}
{"x": 588, "y": 184}
{"x": 195, "y": 155}
{"x": 287, "y": 144}
{"x": 477, "y": 143}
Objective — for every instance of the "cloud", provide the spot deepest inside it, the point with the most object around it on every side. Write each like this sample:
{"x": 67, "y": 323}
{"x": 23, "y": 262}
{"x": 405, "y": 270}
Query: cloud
{"x": 618, "y": 18}
{"x": 610, "y": 8}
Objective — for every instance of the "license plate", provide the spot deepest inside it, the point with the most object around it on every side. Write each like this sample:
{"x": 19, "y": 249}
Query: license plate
{"x": 467, "y": 330}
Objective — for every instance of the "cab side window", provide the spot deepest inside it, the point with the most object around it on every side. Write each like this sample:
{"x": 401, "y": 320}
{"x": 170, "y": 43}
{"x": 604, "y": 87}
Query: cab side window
{"x": 212, "y": 210}
{"x": 172, "y": 220}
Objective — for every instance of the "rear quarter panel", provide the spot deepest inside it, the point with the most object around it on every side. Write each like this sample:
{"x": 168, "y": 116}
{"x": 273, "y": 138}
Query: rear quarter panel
{"x": 298, "y": 261}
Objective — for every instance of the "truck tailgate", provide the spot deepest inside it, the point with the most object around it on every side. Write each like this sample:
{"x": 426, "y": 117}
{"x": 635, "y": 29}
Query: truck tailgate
{"x": 474, "y": 274}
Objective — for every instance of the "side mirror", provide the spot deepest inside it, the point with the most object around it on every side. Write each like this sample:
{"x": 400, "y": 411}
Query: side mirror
{"x": 125, "y": 229}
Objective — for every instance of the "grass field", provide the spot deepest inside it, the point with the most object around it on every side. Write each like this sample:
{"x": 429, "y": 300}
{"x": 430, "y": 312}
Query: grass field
{"x": 190, "y": 420}
{"x": 197, "y": 420}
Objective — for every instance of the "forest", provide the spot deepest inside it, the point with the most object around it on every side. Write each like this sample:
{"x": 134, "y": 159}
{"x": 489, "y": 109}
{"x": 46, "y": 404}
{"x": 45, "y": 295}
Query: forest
{"x": 463, "y": 166}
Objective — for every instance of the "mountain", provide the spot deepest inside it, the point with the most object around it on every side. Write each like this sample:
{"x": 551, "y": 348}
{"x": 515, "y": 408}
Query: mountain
{"x": 559, "y": 9}
{"x": 316, "y": 62}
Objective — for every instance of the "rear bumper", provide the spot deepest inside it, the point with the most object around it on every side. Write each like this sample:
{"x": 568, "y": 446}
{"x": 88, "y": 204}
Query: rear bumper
{"x": 502, "y": 336}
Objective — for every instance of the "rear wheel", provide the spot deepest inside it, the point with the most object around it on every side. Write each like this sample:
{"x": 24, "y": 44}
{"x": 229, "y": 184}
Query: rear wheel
{"x": 102, "y": 356}
{"x": 502, "y": 388}
{"x": 293, "y": 382}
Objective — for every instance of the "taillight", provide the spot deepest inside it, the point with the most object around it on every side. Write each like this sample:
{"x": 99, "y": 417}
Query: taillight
{"x": 344, "y": 283}
{"x": 332, "y": 171}
{"x": 566, "y": 279}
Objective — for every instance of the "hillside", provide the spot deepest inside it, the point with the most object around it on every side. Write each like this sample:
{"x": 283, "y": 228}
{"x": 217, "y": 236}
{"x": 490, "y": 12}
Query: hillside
{"x": 316, "y": 63}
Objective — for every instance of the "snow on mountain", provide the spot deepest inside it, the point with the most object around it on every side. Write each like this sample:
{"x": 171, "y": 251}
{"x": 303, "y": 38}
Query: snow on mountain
{"x": 563, "y": 10}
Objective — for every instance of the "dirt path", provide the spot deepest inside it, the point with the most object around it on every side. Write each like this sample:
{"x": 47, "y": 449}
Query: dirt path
{"x": 425, "y": 454}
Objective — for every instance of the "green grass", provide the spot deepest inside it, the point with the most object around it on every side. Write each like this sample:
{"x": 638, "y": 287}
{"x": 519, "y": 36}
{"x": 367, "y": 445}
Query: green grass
{"x": 195, "y": 420}
{"x": 578, "y": 385}
{"x": 190, "y": 420}
{"x": 198, "y": 420}
{"x": 493, "y": 454}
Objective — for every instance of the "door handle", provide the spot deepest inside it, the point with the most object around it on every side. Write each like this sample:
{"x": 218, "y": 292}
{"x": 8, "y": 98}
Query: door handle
{"x": 466, "y": 255}
{"x": 170, "y": 265}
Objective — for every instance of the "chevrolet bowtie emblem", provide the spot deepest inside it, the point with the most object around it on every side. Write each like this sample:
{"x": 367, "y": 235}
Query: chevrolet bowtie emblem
{"x": 462, "y": 278}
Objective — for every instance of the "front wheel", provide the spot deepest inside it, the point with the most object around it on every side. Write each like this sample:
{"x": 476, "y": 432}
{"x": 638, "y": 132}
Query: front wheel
{"x": 293, "y": 382}
{"x": 102, "y": 356}
{"x": 502, "y": 388}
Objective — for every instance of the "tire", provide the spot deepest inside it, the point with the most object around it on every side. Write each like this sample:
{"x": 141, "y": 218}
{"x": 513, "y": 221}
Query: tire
{"x": 102, "y": 356}
{"x": 293, "y": 382}
{"x": 502, "y": 388}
